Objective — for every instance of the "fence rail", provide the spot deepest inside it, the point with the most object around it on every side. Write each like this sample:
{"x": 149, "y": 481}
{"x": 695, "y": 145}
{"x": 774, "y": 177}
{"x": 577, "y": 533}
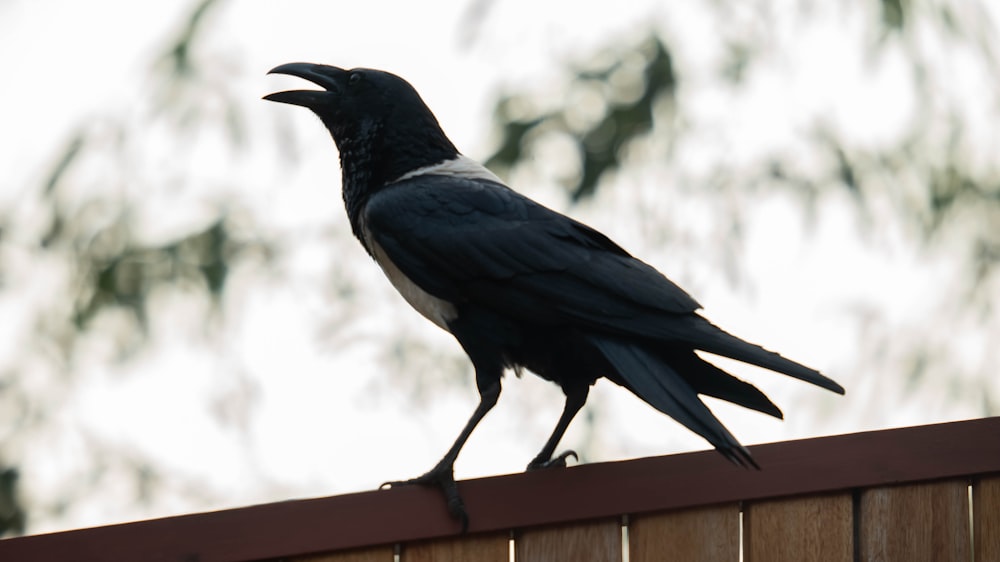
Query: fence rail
{"x": 919, "y": 493}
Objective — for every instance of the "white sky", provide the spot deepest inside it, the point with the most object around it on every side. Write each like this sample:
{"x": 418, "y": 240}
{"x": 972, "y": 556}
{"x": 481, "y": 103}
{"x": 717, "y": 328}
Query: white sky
{"x": 316, "y": 428}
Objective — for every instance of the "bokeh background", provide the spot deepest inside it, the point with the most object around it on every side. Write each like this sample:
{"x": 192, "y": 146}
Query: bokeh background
{"x": 187, "y": 324}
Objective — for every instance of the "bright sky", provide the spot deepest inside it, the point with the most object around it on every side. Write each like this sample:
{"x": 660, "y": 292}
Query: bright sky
{"x": 321, "y": 420}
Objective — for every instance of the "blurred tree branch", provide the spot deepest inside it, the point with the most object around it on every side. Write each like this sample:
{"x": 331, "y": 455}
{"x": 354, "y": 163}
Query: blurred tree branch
{"x": 937, "y": 175}
{"x": 79, "y": 227}
{"x": 79, "y": 230}
{"x": 927, "y": 158}
{"x": 628, "y": 90}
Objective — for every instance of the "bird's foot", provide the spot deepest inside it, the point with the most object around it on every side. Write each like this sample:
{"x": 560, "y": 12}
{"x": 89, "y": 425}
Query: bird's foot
{"x": 559, "y": 461}
{"x": 441, "y": 476}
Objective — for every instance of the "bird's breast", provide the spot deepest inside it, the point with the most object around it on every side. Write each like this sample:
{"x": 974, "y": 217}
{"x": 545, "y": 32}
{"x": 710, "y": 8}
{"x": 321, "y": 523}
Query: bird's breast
{"x": 438, "y": 311}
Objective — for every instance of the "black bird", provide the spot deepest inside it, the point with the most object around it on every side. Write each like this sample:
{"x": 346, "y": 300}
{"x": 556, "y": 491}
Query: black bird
{"x": 519, "y": 285}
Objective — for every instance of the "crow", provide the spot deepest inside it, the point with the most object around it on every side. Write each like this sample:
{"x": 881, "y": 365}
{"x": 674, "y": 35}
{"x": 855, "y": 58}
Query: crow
{"x": 520, "y": 286}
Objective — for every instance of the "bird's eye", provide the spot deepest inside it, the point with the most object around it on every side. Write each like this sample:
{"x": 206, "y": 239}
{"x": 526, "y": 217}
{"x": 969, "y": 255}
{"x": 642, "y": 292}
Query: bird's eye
{"x": 354, "y": 79}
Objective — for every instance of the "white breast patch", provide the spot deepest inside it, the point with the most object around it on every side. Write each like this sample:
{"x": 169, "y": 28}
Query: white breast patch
{"x": 434, "y": 309}
{"x": 460, "y": 167}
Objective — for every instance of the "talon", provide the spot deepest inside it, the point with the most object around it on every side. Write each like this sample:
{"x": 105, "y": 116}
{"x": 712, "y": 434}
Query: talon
{"x": 443, "y": 478}
{"x": 559, "y": 461}
{"x": 565, "y": 455}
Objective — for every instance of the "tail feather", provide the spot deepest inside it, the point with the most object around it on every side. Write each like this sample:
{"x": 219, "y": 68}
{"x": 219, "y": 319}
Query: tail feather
{"x": 709, "y": 380}
{"x": 659, "y": 385}
{"x": 715, "y": 340}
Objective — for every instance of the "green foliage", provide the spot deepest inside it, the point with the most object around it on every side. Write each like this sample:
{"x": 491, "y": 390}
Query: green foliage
{"x": 935, "y": 185}
{"x": 80, "y": 228}
{"x": 126, "y": 277}
{"x": 178, "y": 59}
{"x": 893, "y": 14}
{"x": 12, "y": 514}
{"x": 111, "y": 267}
{"x": 630, "y": 88}
{"x": 937, "y": 177}
{"x": 631, "y": 92}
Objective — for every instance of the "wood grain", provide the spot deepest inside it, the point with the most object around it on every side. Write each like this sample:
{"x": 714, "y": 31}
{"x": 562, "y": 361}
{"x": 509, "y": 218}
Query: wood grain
{"x": 708, "y": 534}
{"x": 542, "y": 497}
{"x": 599, "y": 541}
{"x": 916, "y": 522}
{"x": 492, "y": 547}
{"x": 800, "y": 528}
{"x": 986, "y": 517}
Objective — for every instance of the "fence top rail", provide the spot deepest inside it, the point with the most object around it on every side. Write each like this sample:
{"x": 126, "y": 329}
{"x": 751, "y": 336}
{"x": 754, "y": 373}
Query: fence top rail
{"x": 808, "y": 466}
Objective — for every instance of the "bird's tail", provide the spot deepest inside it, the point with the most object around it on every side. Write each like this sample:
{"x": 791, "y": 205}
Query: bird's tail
{"x": 654, "y": 380}
{"x": 708, "y": 380}
{"x": 709, "y": 337}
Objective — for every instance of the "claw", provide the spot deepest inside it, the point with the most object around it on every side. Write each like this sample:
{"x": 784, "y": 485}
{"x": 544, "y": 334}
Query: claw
{"x": 558, "y": 461}
{"x": 442, "y": 477}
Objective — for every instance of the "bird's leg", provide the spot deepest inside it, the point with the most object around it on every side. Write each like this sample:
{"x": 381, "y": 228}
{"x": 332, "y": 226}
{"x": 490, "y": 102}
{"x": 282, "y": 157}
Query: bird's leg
{"x": 576, "y": 397}
{"x": 443, "y": 473}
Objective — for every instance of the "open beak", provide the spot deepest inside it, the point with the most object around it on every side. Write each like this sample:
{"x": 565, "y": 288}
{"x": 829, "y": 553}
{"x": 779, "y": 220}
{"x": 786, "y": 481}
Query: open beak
{"x": 329, "y": 77}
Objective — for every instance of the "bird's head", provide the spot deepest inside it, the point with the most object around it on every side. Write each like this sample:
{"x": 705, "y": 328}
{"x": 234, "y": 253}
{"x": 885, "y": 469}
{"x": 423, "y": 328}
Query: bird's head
{"x": 382, "y": 127}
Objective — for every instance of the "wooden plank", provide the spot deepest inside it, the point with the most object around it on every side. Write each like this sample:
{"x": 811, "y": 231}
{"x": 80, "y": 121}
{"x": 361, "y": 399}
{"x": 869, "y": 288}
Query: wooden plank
{"x": 800, "y": 528}
{"x": 916, "y": 522}
{"x": 599, "y": 541}
{"x": 830, "y": 464}
{"x": 492, "y": 547}
{"x": 578, "y": 493}
{"x": 706, "y": 534}
{"x": 385, "y": 553}
{"x": 986, "y": 517}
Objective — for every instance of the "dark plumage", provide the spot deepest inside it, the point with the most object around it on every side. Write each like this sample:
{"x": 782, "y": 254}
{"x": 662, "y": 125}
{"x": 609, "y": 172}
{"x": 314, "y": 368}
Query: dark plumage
{"x": 517, "y": 284}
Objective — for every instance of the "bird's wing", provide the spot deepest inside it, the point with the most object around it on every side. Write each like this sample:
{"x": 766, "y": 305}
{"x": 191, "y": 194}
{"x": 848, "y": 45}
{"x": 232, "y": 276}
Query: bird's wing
{"x": 465, "y": 240}
{"x": 476, "y": 241}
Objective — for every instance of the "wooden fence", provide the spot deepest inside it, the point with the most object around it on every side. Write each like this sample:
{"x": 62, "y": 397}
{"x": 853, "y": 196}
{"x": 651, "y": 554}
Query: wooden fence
{"x": 920, "y": 493}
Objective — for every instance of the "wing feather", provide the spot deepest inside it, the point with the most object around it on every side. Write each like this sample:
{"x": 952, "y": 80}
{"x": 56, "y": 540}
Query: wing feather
{"x": 477, "y": 241}
{"x": 474, "y": 241}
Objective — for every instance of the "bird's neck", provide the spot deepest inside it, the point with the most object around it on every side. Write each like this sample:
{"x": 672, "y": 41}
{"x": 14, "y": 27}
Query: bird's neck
{"x": 357, "y": 173}
{"x": 376, "y": 156}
